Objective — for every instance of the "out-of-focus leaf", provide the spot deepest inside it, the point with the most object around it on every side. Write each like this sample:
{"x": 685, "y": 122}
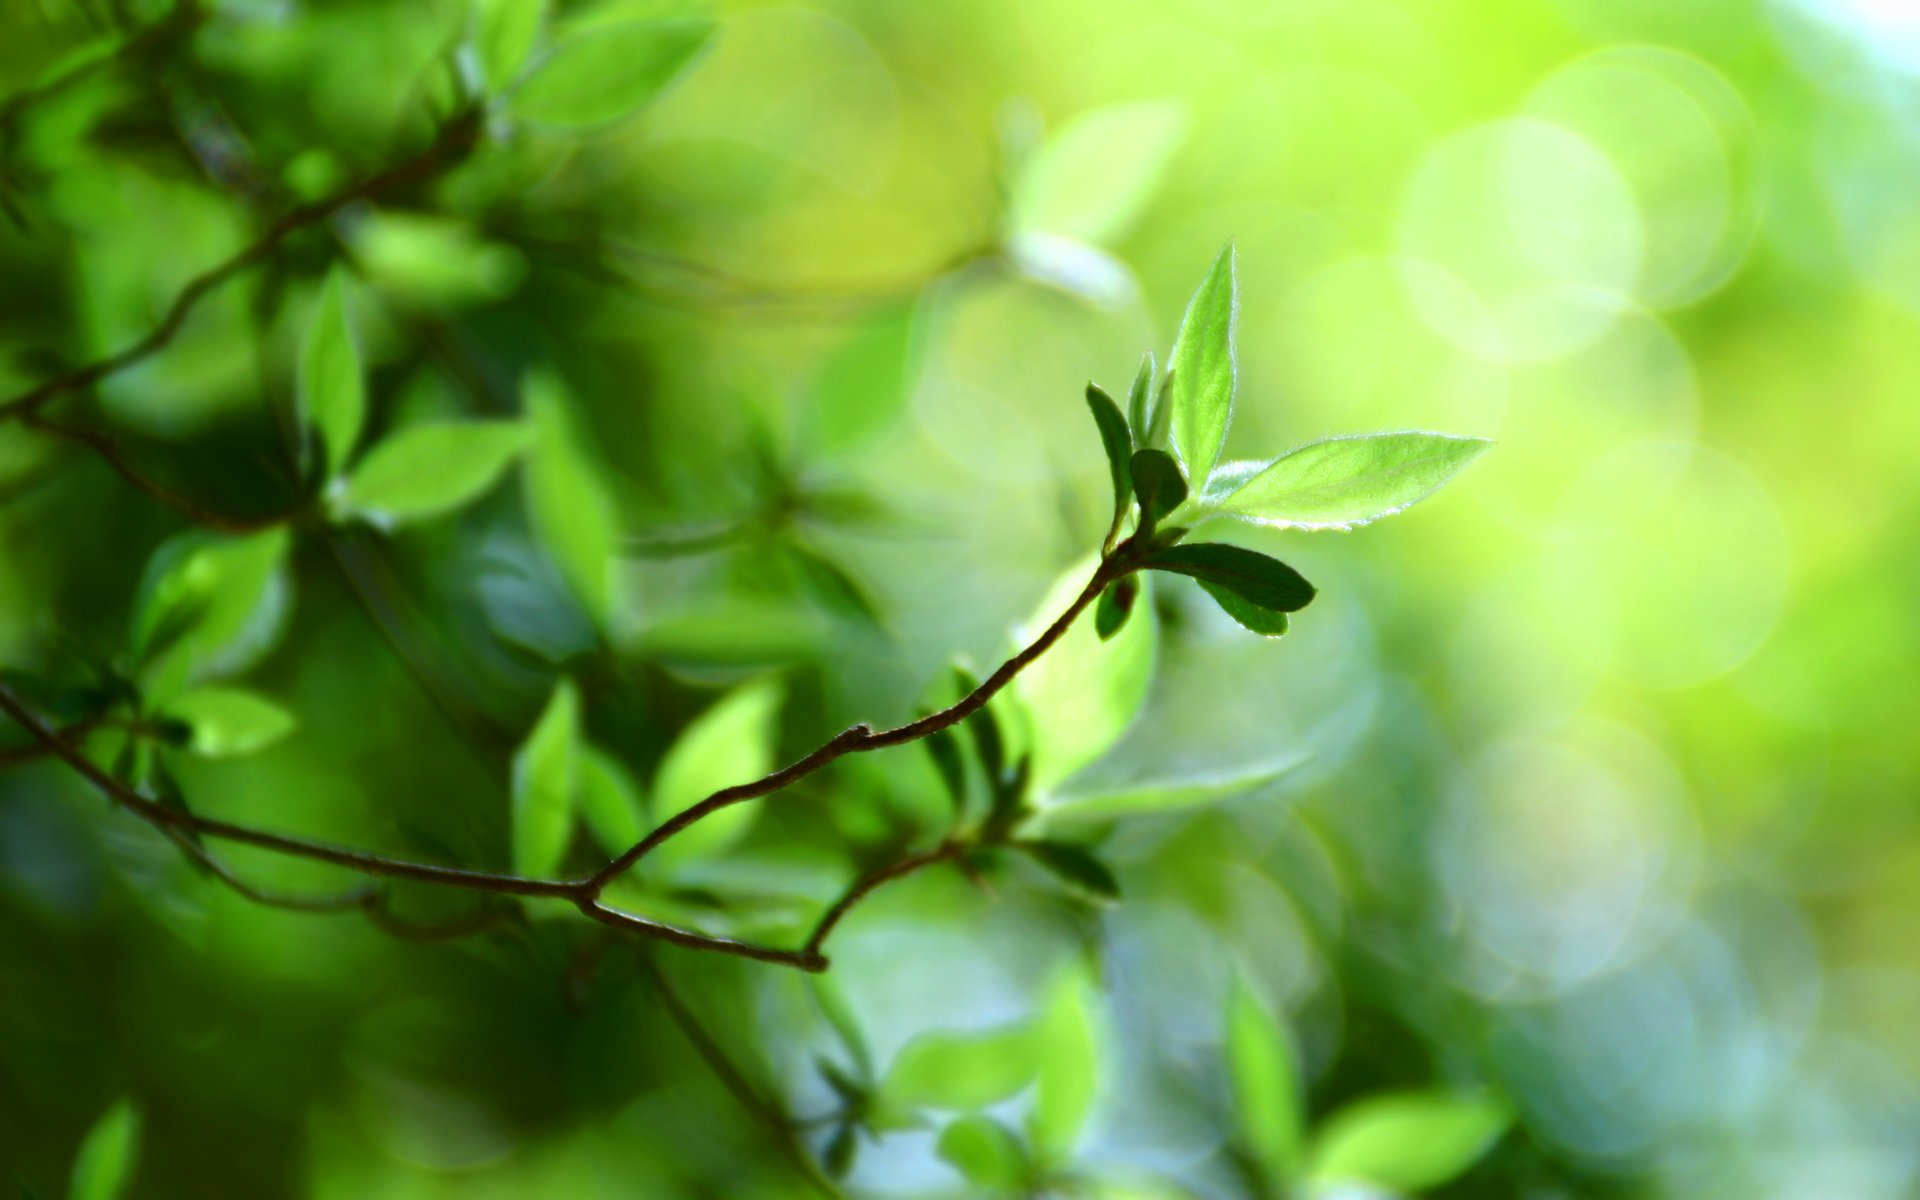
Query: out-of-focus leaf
{"x": 568, "y": 502}
{"x": 1069, "y": 1080}
{"x": 944, "y": 748}
{"x": 331, "y": 391}
{"x": 732, "y": 742}
{"x": 1083, "y": 271}
{"x": 1080, "y": 696}
{"x": 1410, "y": 1141}
{"x": 1342, "y": 482}
{"x": 545, "y": 771}
{"x": 1140, "y": 401}
{"x": 104, "y": 1167}
{"x": 1091, "y": 179}
{"x": 503, "y": 33}
{"x": 862, "y": 386}
{"x": 604, "y": 73}
{"x": 609, "y": 800}
{"x": 434, "y": 261}
{"x": 1202, "y": 366}
{"x": 430, "y": 469}
{"x": 1161, "y": 796}
{"x": 208, "y": 606}
{"x": 1157, "y": 480}
{"x": 841, "y": 1148}
{"x": 831, "y": 587}
{"x": 1268, "y": 1109}
{"x": 1075, "y": 864}
{"x": 1256, "y": 590}
{"x": 985, "y": 1152}
{"x": 962, "y": 1070}
{"x": 831, "y": 998}
{"x": 228, "y": 721}
{"x": 1116, "y": 604}
{"x": 1118, "y": 444}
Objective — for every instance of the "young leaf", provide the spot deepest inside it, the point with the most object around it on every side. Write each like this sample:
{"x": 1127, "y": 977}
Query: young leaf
{"x": 426, "y": 470}
{"x": 1157, "y": 480}
{"x": 1091, "y": 179}
{"x": 545, "y": 770}
{"x": 330, "y": 390}
{"x": 1202, "y": 369}
{"x": 225, "y": 722}
{"x": 568, "y": 503}
{"x": 1268, "y": 1109}
{"x": 1408, "y": 1142}
{"x": 1119, "y": 446}
{"x": 983, "y": 1150}
{"x": 208, "y": 606}
{"x": 1255, "y": 590}
{"x": 1116, "y": 603}
{"x": 961, "y": 1070}
{"x": 503, "y": 33}
{"x": 1140, "y": 401}
{"x": 104, "y": 1167}
{"x": 1343, "y": 482}
{"x": 607, "y": 72}
{"x": 1068, "y": 1083}
{"x": 608, "y": 798}
{"x": 1076, "y": 865}
{"x": 732, "y": 742}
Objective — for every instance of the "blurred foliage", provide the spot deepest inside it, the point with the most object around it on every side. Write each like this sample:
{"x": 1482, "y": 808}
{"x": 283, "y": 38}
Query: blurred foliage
{"x": 535, "y": 416}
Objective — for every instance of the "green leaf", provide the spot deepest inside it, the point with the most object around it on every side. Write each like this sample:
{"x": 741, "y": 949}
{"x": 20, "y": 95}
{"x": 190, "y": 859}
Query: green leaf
{"x": 732, "y": 742}
{"x": 1270, "y": 1115}
{"x": 1091, "y": 179}
{"x": 944, "y": 748}
{"x": 503, "y": 33}
{"x": 1140, "y": 401}
{"x": 862, "y": 386}
{"x": 1202, "y": 369}
{"x": 1343, "y": 482}
{"x": 1160, "y": 796}
{"x": 1157, "y": 480}
{"x": 841, "y": 1148}
{"x": 1116, "y": 604}
{"x": 962, "y": 1070}
{"x": 1069, "y": 1079}
{"x": 1256, "y": 591}
{"x": 1409, "y": 1141}
{"x": 1118, "y": 444}
{"x": 831, "y": 999}
{"x": 1080, "y": 696}
{"x": 330, "y": 390}
{"x": 605, "y": 73}
{"x": 568, "y": 503}
{"x": 104, "y": 1166}
{"x": 208, "y": 606}
{"x": 1076, "y": 865}
{"x": 609, "y": 800}
{"x": 429, "y": 469}
{"x": 983, "y": 1150}
{"x": 228, "y": 721}
{"x": 545, "y": 771}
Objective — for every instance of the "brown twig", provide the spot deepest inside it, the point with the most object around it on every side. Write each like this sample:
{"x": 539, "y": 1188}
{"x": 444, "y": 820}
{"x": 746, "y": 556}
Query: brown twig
{"x": 874, "y": 879}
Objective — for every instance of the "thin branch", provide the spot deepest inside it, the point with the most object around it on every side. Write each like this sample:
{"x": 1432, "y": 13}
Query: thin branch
{"x": 454, "y": 141}
{"x": 107, "y": 448}
{"x": 876, "y": 878}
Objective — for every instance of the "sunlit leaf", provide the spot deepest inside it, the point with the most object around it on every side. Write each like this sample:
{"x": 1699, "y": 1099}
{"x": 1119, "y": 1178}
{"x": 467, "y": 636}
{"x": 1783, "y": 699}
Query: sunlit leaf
{"x": 1255, "y": 590}
{"x": 1092, "y": 178}
{"x": 1159, "y": 796}
{"x": 105, "y": 1164}
{"x": 503, "y": 33}
{"x": 983, "y": 1150}
{"x": 1343, "y": 482}
{"x": 208, "y": 606}
{"x": 1069, "y": 1078}
{"x": 1076, "y": 865}
{"x": 1203, "y": 370}
{"x": 429, "y": 469}
{"x": 1269, "y": 1110}
{"x": 1118, "y": 444}
{"x": 604, "y": 73}
{"x": 861, "y": 388}
{"x": 731, "y": 742}
{"x": 1083, "y": 271}
{"x": 225, "y": 722}
{"x": 1410, "y": 1141}
{"x": 962, "y": 1070}
{"x": 545, "y": 771}
{"x": 568, "y": 503}
{"x": 331, "y": 391}
{"x": 609, "y": 800}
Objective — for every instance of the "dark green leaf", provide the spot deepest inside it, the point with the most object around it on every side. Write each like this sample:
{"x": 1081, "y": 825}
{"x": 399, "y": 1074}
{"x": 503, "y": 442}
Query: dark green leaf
{"x": 1119, "y": 446}
{"x": 1339, "y": 483}
{"x": 988, "y": 745}
{"x": 606, "y": 72}
{"x": 1266, "y": 583}
{"x": 838, "y": 1157}
{"x": 429, "y": 469}
{"x": 1161, "y": 487}
{"x": 104, "y": 1166}
{"x": 1139, "y": 401}
{"x": 1076, "y": 865}
{"x": 1203, "y": 370}
{"x": 944, "y": 748}
{"x": 1266, "y": 622}
{"x": 1116, "y": 603}
{"x": 832, "y": 587}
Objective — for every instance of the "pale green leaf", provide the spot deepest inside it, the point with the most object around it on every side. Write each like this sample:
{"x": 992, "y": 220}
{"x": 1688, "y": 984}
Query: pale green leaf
{"x": 1091, "y": 179}
{"x": 1269, "y": 1110}
{"x": 1159, "y": 796}
{"x": 604, "y": 73}
{"x": 864, "y": 383}
{"x": 962, "y": 1070}
{"x": 983, "y": 1150}
{"x": 331, "y": 390}
{"x": 1409, "y": 1141}
{"x": 429, "y": 469}
{"x": 1203, "y": 371}
{"x": 503, "y": 33}
{"x": 730, "y": 743}
{"x": 609, "y": 800}
{"x": 1070, "y": 1052}
{"x": 104, "y": 1166}
{"x": 1343, "y": 482}
{"x": 1140, "y": 402}
{"x": 568, "y": 503}
{"x": 208, "y": 606}
{"x": 228, "y": 721}
{"x": 545, "y": 773}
